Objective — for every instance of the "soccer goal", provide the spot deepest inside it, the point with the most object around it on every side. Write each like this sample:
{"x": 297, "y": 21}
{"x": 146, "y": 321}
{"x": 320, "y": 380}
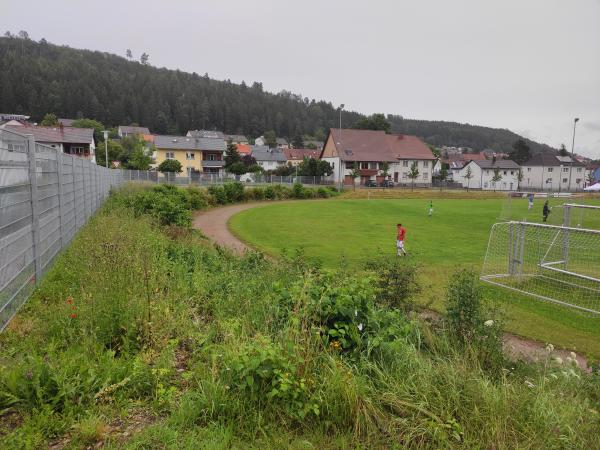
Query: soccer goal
{"x": 553, "y": 263}
{"x": 579, "y": 215}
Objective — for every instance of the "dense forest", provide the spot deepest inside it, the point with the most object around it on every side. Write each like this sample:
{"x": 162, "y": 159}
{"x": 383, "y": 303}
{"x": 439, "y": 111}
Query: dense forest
{"x": 39, "y": 77}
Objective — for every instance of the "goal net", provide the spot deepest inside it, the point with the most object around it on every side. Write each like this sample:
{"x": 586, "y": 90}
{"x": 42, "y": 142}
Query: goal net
{"x": 580, "y": 215}
{"x": 553, "y": 263}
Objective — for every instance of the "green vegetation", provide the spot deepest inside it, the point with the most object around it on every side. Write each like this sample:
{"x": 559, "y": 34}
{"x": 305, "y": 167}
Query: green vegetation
{"x": 351, "y": 232}
{"x": 143, "y": 336}
{"x": 113, "y": 89}
{"x": 170, "y": 165}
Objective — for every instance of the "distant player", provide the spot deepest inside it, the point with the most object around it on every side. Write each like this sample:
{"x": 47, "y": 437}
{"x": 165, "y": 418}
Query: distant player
{"x": 400, "y": 240}
{"x": 530, "y": 199}
{"x": 430, "y": 208}
{"x": 546, "y": 211}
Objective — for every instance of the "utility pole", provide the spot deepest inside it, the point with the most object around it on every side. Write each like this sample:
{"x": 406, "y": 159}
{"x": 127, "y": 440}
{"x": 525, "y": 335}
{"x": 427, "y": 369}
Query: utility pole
{"x": 340, "y": 169}
{"x": 572, "y": 151}
{"x": 106, "y": 147}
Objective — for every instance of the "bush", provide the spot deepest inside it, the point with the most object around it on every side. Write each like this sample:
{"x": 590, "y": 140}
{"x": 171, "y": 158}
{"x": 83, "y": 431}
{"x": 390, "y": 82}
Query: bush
{"x": 218, "y": 193}
{"x": 258, "y": 193}
{"x": 197, "y": 198}
{"x": 395, "y": 282}
{"x": 169, "y": 204}
{"x": 323, "y": 193}
{"x": 270, "y": 193}
{"x": 234, "y": 192}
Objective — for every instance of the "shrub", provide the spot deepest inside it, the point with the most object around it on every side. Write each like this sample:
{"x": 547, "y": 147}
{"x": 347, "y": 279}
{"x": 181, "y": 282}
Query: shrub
{"x": 234, "y": 192}
{"x": 258, "y": 193}
{"x": 323, "y": 193}
{"x": 298, "y": 191}
{"x": 218, "y": 193}
{"x": 197, "y": 198}
{"x": 168, "y": 204}
{"x": 270, "y": 193}
{"x": 265, "y": 371}
{"x": 395, "y": 282}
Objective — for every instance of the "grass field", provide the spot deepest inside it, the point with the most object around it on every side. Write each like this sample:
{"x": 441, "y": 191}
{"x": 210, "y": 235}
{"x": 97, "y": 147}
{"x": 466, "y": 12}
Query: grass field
{"x": 351, "y": 231}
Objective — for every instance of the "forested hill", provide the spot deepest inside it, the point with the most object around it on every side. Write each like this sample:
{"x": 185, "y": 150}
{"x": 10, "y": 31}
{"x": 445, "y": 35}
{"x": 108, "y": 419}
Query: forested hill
{"x": 37, "y": 78}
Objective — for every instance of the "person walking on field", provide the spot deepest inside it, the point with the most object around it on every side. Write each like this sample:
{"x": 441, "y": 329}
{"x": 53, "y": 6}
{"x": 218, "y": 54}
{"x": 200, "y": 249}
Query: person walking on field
{"x": 430, "y": 208}
{"x": 400, "y": 240}
{"x": 546, "y": 211}
{"x": 530, "y": 199}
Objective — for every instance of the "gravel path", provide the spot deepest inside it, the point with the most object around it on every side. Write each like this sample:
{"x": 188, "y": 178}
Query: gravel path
{"x": 213, "y": 223}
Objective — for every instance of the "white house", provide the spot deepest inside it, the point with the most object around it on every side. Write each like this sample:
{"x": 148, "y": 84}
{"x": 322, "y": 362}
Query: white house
{"x": 482, "y": 174}
{"x": 553, "y": 173}
{"x": 124, "y": 131}
{"x": 371, "y": 151}
{"x": 268, "y": 158}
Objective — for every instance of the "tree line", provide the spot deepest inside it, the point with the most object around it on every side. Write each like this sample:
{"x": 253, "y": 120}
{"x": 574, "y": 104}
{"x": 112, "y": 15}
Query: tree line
{"x": 39, "y": 77}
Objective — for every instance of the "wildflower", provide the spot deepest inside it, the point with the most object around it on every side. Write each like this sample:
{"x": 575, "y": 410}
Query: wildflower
{"x": 360, "y": 327}
{"x": 356, "y": 313}
{"x": 549, "y": 348}
{"x": 488, "y": 323}
{"x": 558, "y": 360}
{"x": 335, "y": 345}
{"x": 573, "y": 355}
{"x": 73, "y": 316}
{"x": 69, "y": 300}
{"x": 529, "y": 384}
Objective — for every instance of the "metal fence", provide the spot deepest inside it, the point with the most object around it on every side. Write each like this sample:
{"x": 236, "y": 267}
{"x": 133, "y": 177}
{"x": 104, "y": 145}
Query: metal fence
{"x": 45, "y": 197}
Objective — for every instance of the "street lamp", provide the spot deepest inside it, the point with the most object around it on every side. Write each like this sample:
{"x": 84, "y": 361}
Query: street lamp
{"x": 340, "y": 170}
{"x": 106, "y": 146}
{"x": 573, "y": 150}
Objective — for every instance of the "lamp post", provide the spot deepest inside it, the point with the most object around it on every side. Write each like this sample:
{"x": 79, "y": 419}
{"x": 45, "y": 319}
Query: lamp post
{"x": 106, "y": 147}
{"x": 572, "y": 150}
{"x": 340, "y": 169}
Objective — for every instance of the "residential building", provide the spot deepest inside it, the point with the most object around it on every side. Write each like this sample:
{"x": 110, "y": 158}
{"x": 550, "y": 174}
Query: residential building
{"x": 549, "y": 172}
{"x": 371, "y": 150}
{"x": 214, "y": 134}
{"x": 66, "y": 122}
{"x": 237, "y": 139}
{"x": 124, "y": 131}
{"x": 280, "y": 142}
{"x": 483, "y": 174}
{"x": 314, "y": 144}
{"x": 196, "y": 154}
{"x": 295, "y": 156}
{"x": 70, "y": 140}
{"x": 244, "y": 149}
{"x": 268, "y": 158}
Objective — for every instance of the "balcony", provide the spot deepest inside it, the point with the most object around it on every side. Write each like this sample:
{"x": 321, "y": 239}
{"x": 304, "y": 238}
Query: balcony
{"x": 208, "y": 163}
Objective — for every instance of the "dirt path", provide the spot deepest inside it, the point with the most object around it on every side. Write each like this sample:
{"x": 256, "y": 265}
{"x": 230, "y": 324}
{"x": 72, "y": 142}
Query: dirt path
{"x": 213, "y": 223}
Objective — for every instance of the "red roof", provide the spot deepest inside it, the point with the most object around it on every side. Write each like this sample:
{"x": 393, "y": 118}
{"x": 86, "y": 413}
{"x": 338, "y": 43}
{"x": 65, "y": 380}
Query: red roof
{"x": 244, "y": 149}
{"x": 67, "y": 135}
{"x": 369, "y": 145}
{"x": 473, "y": 157}
{"x": 295, "y": 154}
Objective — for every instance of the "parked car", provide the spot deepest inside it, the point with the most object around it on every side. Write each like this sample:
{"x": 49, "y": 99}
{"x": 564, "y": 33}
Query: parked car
{"x": 387, "y": 183}
{"x": 371, "y": 183}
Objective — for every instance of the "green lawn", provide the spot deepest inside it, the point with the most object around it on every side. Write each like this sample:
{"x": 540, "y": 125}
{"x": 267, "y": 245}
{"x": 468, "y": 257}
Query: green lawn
{"x": 350, "y": 232}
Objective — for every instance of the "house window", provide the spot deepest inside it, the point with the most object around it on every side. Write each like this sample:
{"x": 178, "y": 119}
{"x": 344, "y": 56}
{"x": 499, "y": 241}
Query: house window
{"x": 485, "y": 185}
{"x": 364, "y": 165}
{"x": 170, "y": 155}
{"x": 404, "y": 175}
{"x": 550, "y": 169}
{"x": 565, "y": 169}
{"x": 373, "y": 165}
{"x": 76, "y": 150}
{"x": 565, "y": 180}
{"x": 505, "y": 174}
{"x": 512, "y": 172}
{"x": 529, "y": 169}
{"x": 579, "y": 169}
{"x": 578, "y": 180}
{"x": 16, "y": 147}
{"x": 189, "y": 155}
{"x": 425, "y": 175}
{"x": 211, "y": 157}
{"x": 425, "y": 163}
{"x": 349, "y": 165}
{"x": 404, "y": 163}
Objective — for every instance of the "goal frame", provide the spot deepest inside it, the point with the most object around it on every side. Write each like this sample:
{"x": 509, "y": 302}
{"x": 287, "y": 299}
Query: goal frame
{"x": 515, "y": 261}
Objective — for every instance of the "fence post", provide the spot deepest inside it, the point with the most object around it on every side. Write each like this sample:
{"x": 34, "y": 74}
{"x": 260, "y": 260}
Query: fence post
{"x": 61, "y": 201}
{"x": 35, "y": 218}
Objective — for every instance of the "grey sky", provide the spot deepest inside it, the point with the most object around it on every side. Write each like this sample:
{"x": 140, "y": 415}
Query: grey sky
{"x": 527, "y": 65}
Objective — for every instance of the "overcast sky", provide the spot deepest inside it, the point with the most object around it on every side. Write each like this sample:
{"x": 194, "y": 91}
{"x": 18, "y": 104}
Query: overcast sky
{"x": 527, "y": 65}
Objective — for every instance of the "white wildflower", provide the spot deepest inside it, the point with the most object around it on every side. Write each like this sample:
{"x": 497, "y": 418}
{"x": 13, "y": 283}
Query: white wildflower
{"x": 529, "y": 384}
{"x": 360, "y": 326}
{"x": 549, "y": 348}
{"x": 573, "y": 355}
{"x": 558, "y": 360}
{"x": 356, "y": 313}
{"x": 488, "y": 323}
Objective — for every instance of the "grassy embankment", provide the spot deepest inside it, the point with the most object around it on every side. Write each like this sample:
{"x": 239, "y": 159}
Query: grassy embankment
{"x": 350, "y": 232}
{"x": 143, "y": 336}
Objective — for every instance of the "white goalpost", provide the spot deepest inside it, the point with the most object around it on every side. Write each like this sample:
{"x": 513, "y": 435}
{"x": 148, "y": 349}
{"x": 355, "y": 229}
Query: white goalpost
{"x": 559, "y": 264}
{"x": 581, "y": 215}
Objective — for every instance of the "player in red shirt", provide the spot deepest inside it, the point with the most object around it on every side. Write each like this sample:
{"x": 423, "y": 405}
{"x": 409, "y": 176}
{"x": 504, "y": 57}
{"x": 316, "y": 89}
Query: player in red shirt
{"x": 400, "y": 240}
